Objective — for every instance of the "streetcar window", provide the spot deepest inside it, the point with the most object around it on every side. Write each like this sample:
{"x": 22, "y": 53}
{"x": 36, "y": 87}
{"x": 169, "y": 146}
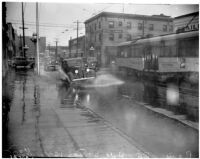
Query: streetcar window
{"x": 188, "y": 47}
{"x": 137, "y": 49}
{"x": 129, "y": 51}
{"x": 156, "y": 50}
{"x": 164, "y": 27}
{"x": 139, "y": 26}
{"x": 151, "y": 27}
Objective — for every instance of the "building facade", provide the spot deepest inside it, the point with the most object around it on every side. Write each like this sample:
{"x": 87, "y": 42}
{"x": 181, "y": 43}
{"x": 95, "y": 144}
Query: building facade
{"x": 187, "y": 22}
{"x": 12, "y": 41}
{"x": 106, "y": 30}
{"x": 77, "y": 50}
{"x": 31, "y": 51}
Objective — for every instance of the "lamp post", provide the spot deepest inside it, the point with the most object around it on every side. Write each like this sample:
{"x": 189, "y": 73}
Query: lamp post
{"x": 34, "y": 40}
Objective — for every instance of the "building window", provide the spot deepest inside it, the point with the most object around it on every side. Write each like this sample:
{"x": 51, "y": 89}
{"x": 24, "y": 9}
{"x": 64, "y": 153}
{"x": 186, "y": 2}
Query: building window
{"x": 111, "y": 24}
{"x": 151, "y": 27}
{"x": 171, "y": 28}
{"x": 128, "y": 38}
{"x": 120, "y": 35}
{"x": 111, "y": 37}
{"x": 99, "y": 25}
{"x": 100, "y": 37}
{"x": 139, "y": 26}
{"x": 95, "y": 26}
{"x": 164, "y": 27}
{"x": 129, "y": 25}
{"x": 120, "y": 23}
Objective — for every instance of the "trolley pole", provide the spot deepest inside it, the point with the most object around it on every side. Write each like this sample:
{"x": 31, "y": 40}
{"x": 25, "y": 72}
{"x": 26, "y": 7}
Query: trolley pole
{"x": 23, "y": 47}
{"x": 56, "y": 51}
{"x": 77, "y": 41}
{"x": 37, "y": 45}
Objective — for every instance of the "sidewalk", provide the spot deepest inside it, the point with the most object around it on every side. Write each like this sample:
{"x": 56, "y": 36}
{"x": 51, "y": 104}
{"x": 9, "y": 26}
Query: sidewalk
{"x": 41, "y": 125}
{"x": 77, "y": 132}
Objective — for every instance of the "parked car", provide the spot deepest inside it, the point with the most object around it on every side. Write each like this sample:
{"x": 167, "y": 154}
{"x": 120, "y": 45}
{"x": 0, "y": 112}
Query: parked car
{"x": 23, "y": 62}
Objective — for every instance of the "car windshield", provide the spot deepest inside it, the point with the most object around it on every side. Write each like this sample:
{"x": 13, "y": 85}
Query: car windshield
{"x": 74, "y": 62}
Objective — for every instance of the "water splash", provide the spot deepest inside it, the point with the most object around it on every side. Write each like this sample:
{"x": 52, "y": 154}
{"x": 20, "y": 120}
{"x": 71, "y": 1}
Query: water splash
{"x": 105, "y": 80}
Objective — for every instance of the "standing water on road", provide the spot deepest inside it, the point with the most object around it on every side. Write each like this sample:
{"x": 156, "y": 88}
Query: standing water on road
{"x": 123, "y": 104}
{"x": 119, "y": 102}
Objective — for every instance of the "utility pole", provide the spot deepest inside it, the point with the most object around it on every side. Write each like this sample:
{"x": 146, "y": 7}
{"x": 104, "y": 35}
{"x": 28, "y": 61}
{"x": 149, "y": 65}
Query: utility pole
{"x": 37, "y": 45}
{"x": 77, "y": 41}
{"x": 70, "y": 46}
{"x": 77, "y": 22}
{"x": 56, "y": 51}
{"x": 49, "y": 49}
{"x": 23, "y": 47}
{"x": 143, "y": 27}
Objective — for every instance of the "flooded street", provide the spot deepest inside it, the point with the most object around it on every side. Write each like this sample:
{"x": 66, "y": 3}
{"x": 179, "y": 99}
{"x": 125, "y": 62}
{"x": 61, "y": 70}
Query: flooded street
{"x": 120, "y": 103}
{"x": 100, "y": 80}
{"x": 155, "y": 133}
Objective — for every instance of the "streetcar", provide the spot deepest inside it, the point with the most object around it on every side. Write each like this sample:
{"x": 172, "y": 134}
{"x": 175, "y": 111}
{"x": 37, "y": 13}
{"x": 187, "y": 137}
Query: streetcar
{"x": 172, "y": 56}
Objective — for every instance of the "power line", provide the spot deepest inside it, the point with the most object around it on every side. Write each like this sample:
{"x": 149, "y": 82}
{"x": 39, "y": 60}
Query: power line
{"x": 31, "y": 22}
{"x": 42, "y": 25}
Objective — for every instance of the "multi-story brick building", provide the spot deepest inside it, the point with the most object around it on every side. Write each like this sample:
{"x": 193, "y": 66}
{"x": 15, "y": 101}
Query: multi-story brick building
{"x": 187, "y": 22}
{"x": 77, "y": 50}
{"x": 106, "y": 30}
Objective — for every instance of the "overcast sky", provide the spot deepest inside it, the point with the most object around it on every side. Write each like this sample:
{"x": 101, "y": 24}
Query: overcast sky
{"x": 56, "y": 18}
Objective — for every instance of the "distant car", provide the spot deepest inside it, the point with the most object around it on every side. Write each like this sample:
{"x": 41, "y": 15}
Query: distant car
{"x": 51, "y": 66}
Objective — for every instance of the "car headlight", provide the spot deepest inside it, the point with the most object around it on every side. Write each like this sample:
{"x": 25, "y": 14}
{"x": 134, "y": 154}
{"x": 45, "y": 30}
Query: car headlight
{"x": 76, "y": 71}
{"x": 87, "y": 69}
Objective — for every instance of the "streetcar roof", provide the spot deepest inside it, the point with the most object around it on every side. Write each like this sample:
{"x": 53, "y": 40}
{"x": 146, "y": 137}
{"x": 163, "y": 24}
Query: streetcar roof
{"x": 125, "y": 43}
{"x": 169, "y": 37}
{"x": 162, "y": 37}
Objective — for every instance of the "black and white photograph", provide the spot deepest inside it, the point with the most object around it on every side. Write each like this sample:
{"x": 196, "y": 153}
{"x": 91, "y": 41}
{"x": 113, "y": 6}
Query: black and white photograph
{"x": 92, "y": 79}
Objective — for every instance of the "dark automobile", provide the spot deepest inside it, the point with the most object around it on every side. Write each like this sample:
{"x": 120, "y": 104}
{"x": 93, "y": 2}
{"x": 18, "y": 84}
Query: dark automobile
{"x": 51, "y": 66}
{"x": 23, "y": 62}
{"x": 76, "y": 70}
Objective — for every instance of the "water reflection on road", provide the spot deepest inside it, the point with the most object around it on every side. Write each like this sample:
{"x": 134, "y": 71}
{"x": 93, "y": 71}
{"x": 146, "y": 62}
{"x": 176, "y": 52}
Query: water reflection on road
{"x": 115, "y": 100}
{"x": 156, "y": 134}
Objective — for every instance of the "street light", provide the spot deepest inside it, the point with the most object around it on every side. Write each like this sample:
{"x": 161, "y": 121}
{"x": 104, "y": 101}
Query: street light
{"x": 34, "y": 40}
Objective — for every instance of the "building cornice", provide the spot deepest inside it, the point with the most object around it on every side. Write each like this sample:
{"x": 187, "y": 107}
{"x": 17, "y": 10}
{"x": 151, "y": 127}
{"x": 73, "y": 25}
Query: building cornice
{"x": 130, "y": 16}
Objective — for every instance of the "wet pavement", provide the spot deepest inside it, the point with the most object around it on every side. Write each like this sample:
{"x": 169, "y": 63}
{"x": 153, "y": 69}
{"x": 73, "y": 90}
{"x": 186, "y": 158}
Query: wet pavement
{"x": 103, "y": 118}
